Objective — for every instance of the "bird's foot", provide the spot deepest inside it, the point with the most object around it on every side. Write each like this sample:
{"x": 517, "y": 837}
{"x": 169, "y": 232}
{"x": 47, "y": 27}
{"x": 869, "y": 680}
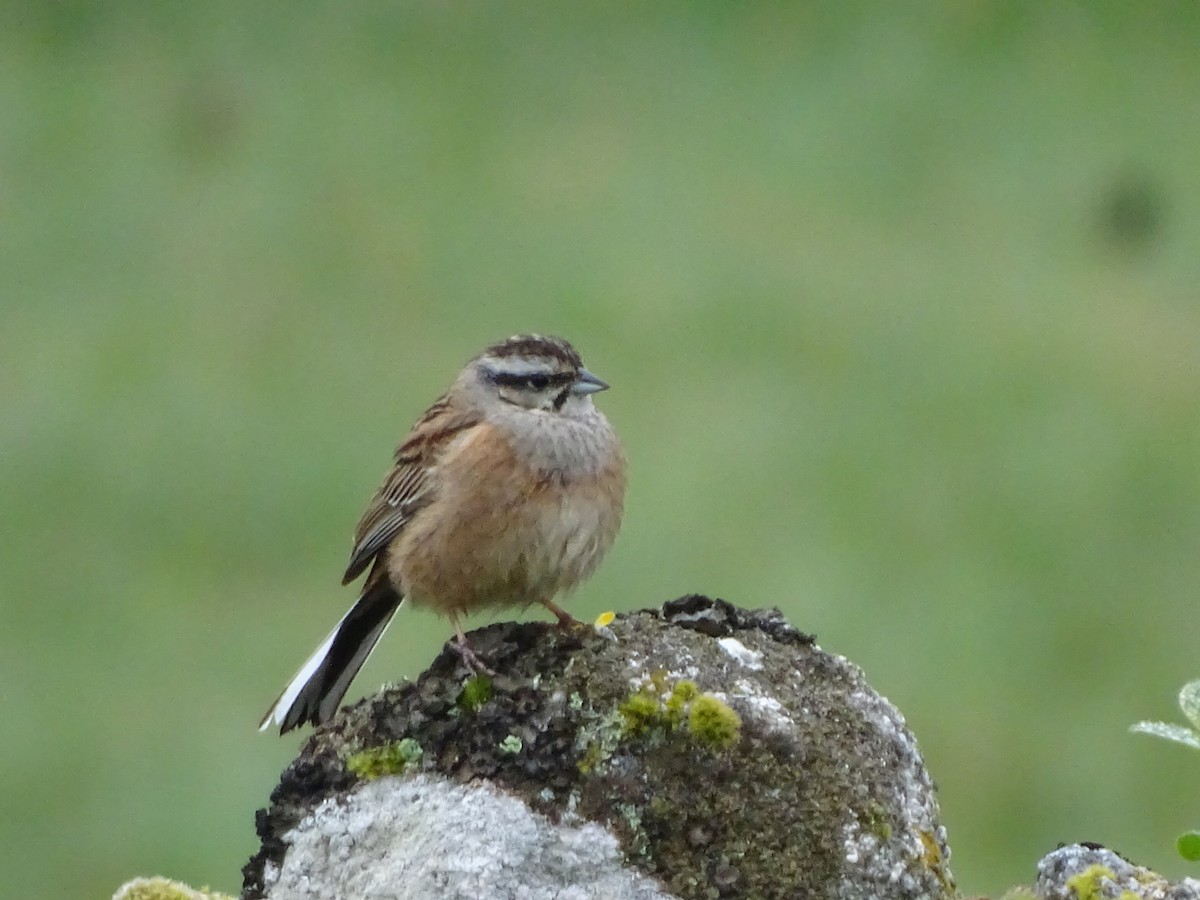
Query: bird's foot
{"x": 565, "y": 619}
{"x": 470, "y": 658}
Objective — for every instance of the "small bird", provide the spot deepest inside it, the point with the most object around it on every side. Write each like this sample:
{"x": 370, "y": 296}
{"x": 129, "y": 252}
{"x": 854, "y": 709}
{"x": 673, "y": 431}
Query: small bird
{"x": 508, "y": 491}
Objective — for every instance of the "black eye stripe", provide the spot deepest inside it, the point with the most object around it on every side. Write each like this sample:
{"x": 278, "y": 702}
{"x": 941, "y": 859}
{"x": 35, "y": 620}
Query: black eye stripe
{"x": 538, "y": 381}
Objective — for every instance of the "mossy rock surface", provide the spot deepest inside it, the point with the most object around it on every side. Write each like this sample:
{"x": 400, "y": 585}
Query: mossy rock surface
{"x": 727, "y": 754}
{"x": 1089, "y": 871}
{"x": 157, "y": 888}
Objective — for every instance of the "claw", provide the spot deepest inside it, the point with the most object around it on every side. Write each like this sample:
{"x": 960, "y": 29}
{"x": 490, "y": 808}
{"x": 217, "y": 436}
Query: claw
{"x": 469, "y": 657}
{"x": 472, "y": 660}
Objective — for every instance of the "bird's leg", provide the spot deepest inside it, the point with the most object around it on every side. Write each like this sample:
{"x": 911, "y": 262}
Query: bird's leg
{"x": 565, "y": 619}
{"x": 463, "y": 648}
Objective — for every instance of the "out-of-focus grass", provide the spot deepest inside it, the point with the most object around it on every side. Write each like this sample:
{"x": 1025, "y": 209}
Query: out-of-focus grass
{"x": 899, "y": 303}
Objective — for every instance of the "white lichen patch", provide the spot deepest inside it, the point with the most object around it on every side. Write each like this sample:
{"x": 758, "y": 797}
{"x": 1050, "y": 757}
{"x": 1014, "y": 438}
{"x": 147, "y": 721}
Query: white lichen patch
{"x": 894, "y": 865}
{"x": 913, "y": 788}
{"x": 769, "y": 712}
{"x": 740, "y": 653}
{"x": 753, "y": 701}
{"x": 427, "y": 837}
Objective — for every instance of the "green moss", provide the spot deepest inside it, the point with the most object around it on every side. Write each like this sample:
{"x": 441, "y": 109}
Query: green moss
{"x": 710, "y": 720}
{"x": 640, "y": 713}
{"x": 714, "y": 722}
{"x": 676, "y": 706}
{"x": 625, "y": 753}
{"x": 390, "y": 759}
{"x": 1089, "y": 884}
{"x": 475, "y": 693}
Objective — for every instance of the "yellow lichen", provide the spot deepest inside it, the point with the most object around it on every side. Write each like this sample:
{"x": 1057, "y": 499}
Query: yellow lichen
{"x": 1089, "y": 884}
{"x": 934, "y": 860}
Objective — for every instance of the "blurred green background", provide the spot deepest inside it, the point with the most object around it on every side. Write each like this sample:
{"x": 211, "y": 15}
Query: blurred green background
{"x": 899, "y": 303}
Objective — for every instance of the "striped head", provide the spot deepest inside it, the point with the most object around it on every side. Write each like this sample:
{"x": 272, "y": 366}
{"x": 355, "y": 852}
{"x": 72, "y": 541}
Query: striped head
{"x": 535, "y": 372}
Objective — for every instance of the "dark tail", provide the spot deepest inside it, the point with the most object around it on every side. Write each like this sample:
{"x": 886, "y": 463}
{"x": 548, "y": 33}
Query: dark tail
{"x": 314, "y": 693}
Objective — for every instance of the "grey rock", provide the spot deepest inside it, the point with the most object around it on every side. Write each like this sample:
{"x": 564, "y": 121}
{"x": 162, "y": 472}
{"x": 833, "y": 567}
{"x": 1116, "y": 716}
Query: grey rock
{"x": 1069, "y": 872}
{"x": 694, "y": 751}
{"x": 427, "y": 836}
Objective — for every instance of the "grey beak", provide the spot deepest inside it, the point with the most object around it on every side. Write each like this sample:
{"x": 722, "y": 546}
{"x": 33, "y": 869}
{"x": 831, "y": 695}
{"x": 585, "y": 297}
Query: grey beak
{"x": 587, "y": 383}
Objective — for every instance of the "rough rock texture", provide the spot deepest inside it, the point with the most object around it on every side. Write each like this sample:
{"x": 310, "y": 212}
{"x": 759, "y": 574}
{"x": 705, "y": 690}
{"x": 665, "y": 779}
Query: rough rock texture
{"x": 1094, "y": 872}
{"x": 442, "y": 839}
{"x": 163, "y": 889}
{"x": 715, "y": 752}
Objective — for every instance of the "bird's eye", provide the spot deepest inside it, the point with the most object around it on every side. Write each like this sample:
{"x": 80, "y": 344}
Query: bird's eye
{"x": 538, "y": 382}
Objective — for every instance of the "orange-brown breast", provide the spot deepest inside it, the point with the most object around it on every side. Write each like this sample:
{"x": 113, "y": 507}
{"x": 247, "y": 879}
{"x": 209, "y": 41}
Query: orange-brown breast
{"x": 500, "y": 534}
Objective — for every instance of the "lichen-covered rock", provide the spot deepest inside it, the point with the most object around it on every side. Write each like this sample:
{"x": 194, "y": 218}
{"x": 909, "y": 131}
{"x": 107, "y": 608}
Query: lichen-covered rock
{"x": 427, "y": 836}
{"x": 163, "y": 889}
{"x": 1092, "y": 872}
{"x": 697, "y": 751}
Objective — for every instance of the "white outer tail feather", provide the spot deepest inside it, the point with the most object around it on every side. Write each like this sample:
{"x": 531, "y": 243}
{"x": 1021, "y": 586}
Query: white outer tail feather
{"x": 279, "y": 709}
{"x": 319, "y": 700}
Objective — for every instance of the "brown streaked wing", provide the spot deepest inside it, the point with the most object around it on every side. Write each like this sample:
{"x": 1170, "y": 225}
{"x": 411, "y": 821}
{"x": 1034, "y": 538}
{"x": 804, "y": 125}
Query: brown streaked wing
{"x": 407, "y": 487}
